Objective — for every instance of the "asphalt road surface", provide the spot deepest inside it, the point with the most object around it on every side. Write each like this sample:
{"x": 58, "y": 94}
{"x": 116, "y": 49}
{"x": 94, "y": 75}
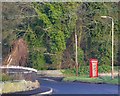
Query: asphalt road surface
{"x": 61, "y": 87}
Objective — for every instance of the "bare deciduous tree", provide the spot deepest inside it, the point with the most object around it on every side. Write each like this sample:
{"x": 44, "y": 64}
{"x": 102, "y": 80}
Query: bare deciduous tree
{"x": 18, "y": 55}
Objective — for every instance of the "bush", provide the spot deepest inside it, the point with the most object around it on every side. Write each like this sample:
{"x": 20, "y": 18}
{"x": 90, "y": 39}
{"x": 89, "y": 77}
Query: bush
{"x": 6, "y": 77}
{"x": 80, "y": 56}
{"x": 37, "y": 60}
{"x": 104, "y": 69}
{"x": 84, "y": 70}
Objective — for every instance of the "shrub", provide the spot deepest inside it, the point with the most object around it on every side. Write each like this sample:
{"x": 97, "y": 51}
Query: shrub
{"x": 37, "y": 60}
{"x": 80, "y": 56}
{"x": 84, "y": 70}
{"x": 6, "y": 77}
{"x": 104, "y": 69}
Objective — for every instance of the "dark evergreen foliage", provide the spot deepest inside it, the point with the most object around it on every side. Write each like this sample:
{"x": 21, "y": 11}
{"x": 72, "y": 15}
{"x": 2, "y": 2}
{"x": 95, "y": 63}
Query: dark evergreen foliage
{"x": 49, "y": 28}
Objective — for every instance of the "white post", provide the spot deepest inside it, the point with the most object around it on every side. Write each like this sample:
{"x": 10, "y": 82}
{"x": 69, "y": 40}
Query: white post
{"x": 112, "y": 49}
{"x": 76, "y": 61}
{"x": 112, "y": 71}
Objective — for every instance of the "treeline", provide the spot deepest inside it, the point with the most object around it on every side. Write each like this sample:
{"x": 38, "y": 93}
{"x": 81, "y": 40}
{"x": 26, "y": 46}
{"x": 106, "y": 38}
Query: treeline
{"x": 49, "y": 29}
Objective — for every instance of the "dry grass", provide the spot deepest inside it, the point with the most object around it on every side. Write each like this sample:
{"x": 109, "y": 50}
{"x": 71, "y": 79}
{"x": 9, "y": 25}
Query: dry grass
{"x": 10, "y": 87}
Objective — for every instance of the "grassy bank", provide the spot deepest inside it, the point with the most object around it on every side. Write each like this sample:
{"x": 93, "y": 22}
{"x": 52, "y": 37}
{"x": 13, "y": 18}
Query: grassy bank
{"x": 106, "y": 79}
{"x": 83, "y": 75}
{"x": 17, "y": 86}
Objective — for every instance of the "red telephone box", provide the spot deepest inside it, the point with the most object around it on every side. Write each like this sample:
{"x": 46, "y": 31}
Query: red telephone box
{"x": 93, "y": 68}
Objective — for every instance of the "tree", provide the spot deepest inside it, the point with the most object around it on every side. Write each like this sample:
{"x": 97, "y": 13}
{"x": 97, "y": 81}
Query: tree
{"x": 60, "y": 22}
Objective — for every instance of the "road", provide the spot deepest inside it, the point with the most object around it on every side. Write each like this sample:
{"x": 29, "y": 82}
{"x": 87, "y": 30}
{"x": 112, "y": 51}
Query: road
{"x": 61, "y": 87}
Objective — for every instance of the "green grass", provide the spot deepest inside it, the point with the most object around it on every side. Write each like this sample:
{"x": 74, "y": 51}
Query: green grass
{"x": 83, "y": 75}
{"x": 106, "y": 79}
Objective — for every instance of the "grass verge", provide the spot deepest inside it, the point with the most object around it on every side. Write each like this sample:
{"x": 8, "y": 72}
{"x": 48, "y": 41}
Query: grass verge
{"x": 83, "y": 75}
{"x": 106, "y": 79}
